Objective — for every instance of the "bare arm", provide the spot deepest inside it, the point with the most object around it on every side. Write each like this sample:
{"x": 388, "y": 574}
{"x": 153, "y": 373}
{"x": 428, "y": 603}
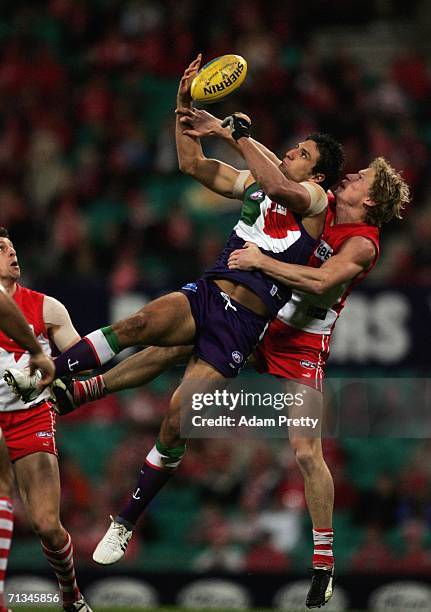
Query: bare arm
{"x": 14, "y": 325}
{"x": 273, "y": 182}
{"x": 59, "y": 324}
{"x": 355, "y": 256}
{"x": 216, "y": 175}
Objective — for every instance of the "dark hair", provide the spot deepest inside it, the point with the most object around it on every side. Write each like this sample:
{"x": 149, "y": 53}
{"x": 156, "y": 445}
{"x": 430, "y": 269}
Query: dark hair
{"x": 4, "y": 233}
{"x": 331, "y": 158}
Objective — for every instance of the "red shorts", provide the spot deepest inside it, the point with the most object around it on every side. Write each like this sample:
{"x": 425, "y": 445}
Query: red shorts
{"x": 28, "y": 431}
{"x": 293, "y": 354}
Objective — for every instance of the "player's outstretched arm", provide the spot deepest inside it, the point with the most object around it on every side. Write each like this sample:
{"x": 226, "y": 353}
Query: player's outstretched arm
{"x": 274, "y": 183}
{"x": 214, "y": 174}
{"x": 354, "y": 257}
{"x": 14, "y": 325}
{"x": 200, "y": 123}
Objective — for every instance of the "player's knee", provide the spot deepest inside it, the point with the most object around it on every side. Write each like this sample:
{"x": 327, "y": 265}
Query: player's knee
{"x": 6, "y": 483}
{"x": 132, "y": 327}
{"x": 47, "y": 526}
{"x": 307, "y": 455}
{"x": 178, "y": 355}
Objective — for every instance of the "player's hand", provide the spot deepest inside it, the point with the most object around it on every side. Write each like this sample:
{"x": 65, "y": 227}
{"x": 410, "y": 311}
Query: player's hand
{"x": 238, "y": 124}
{"x": 183, "y": 96}
{"x": 45, "y": 364}
{"x": 248, "y": 258}
{"x": 198, "y": 123}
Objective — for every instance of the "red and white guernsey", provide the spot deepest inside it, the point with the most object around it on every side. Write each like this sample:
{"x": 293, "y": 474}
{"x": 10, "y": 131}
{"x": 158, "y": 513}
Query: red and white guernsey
{"x": 296, "y": 345}
{"x": 13, "y": 356}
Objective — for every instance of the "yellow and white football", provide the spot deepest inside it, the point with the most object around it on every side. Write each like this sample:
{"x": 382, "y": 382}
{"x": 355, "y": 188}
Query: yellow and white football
{"x": 219, "y": 78}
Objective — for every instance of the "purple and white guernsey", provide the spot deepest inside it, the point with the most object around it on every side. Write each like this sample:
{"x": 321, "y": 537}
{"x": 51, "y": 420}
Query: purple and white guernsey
{"x": 278, "y": 233}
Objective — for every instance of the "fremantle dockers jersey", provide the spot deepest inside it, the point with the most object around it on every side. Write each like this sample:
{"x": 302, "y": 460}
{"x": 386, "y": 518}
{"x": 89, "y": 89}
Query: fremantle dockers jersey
{"x": 317, "y": 314}
{"x": 14, "y": 356}
{"x": 278, "y": 233}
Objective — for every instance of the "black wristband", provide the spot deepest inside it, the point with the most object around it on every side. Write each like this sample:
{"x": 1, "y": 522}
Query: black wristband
{"x": 240, "y": 127}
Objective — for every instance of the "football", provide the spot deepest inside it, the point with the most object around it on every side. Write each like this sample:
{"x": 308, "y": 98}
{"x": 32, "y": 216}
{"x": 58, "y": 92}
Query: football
{"x": 219, "y": 78}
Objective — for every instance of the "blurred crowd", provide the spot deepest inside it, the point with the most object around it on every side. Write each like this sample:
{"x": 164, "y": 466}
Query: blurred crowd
{"x": 89, "y": 189}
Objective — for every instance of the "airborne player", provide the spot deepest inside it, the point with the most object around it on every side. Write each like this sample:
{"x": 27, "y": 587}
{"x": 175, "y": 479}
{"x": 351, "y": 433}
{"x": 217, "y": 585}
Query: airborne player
{"x": 351, "y": 238}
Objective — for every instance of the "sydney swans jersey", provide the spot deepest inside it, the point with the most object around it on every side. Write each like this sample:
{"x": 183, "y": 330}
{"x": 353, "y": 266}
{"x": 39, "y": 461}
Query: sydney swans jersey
{"x": 14, "y": 356}
{"x": 317, "y": 314}
{"x": 278, "y": 233}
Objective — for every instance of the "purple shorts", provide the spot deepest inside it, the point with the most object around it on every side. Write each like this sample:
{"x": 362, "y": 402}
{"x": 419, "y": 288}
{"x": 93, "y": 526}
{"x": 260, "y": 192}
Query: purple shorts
{"x": 226, "y": 332}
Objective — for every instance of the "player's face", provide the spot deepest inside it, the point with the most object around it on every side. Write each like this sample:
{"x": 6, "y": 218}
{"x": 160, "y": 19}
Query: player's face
{"x": 298, "y": 163}
{"x": 354, "y": 188}
{"x": 9, "y": 268}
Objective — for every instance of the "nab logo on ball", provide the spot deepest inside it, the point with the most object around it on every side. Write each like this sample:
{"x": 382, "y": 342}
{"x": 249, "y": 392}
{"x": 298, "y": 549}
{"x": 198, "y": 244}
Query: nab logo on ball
{"x": 219, "y": 78}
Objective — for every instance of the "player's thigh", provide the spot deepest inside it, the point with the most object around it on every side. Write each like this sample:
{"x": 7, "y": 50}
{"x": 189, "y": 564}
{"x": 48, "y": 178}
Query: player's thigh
{"x": 305, "y": 408}
{"x": 6, "y": 471}
{"x": 166, "y": 321}
{"x": 38, "y": 481}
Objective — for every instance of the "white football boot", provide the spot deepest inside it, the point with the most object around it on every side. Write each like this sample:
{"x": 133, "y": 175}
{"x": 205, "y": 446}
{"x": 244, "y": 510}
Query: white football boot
{"x": 113, "y": 545}
{"x": 23, "y": 384}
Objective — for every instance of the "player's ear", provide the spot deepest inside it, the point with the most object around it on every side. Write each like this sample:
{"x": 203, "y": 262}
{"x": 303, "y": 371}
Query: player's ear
{"x": 369, "y": 203}
{"x": 318, "y": 178}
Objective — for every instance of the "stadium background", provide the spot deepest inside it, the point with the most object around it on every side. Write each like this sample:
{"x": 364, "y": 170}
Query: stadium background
{"x": 103, "y": 220}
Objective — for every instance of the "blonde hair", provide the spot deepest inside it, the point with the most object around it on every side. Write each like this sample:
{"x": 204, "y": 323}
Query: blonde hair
{"x": 389, "y": 192}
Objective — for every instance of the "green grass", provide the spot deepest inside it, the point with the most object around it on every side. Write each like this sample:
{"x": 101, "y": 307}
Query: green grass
{"x": 174, "y": 609}
{"x": 170, "y": 609}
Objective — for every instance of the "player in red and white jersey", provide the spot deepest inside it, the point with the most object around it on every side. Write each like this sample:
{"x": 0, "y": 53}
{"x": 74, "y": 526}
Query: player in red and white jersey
{"x": 28, "y": 440}
{"x": 14, "y": 325}
{"x": 296, "y": 346}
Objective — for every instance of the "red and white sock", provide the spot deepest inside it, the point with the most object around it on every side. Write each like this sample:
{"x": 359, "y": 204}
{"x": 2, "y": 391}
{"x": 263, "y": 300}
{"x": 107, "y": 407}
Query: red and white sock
{"x": 89, "y": 390}
{"x": 323, "y": 556}
{"x": 61, "y": 562}
{"x": 6, "y": 530}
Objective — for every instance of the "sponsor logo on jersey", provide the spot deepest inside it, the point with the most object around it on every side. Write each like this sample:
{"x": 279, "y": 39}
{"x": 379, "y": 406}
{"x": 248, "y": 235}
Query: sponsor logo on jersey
{"x": 308, "y": 364}
{"x": 44, "y": 434}
{"x": 323, "y": 251}
{"x": 278, "y": 209}
{"x": 190, "y": 287}
{"x": 274, "y": 290}
{"x": 237, "y": 356}
{"x": 257, "y": 195}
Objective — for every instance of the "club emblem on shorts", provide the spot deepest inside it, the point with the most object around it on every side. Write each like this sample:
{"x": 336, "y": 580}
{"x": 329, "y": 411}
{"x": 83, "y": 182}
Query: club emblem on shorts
{"x": 190, "y": 287}
{"x": 237, "y": 356}
{"x": 308, "y": 364}
{"x": 256, "y": 195}
{"x": 44, "y": 434}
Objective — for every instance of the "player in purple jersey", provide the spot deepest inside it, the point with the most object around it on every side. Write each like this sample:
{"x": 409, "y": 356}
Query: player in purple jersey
{"x": 224, "y": 313}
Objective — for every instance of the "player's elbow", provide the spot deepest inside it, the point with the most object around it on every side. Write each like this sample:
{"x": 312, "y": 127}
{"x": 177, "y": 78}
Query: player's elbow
{"x": 286, "y": 197}
{"x": 186, "y": 167}
{"x": 189, "y": 166}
